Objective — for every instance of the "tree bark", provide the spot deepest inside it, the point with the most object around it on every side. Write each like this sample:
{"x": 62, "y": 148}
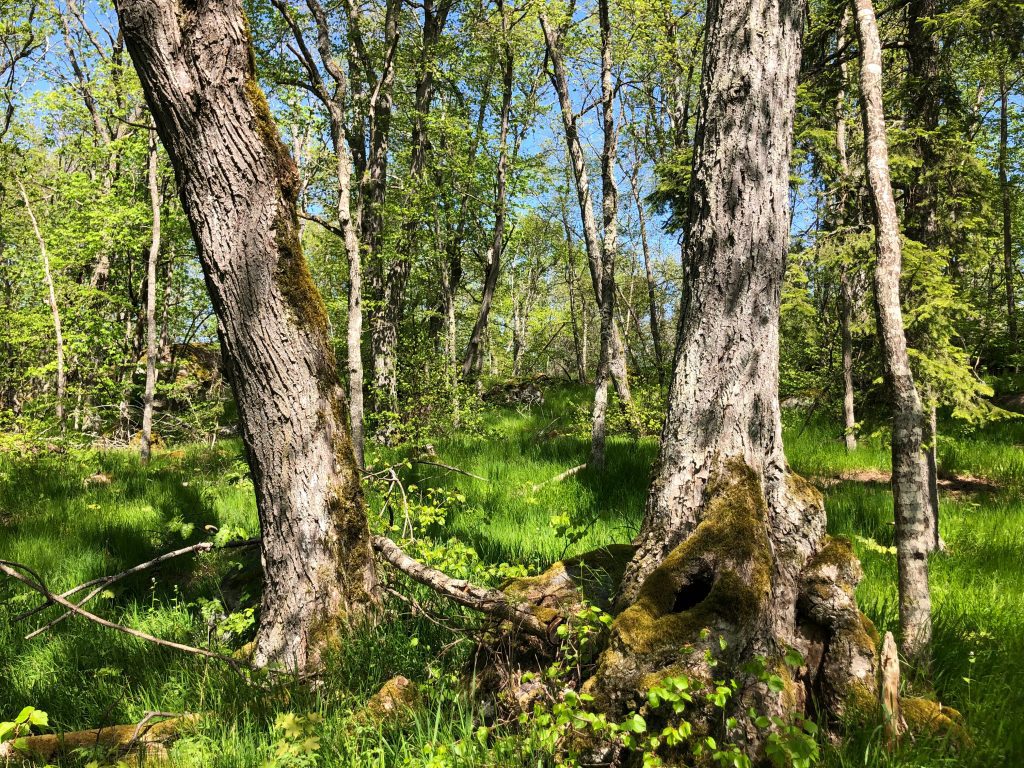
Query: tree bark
{"x": 51, "y": 299}
{"x": 609, "y": 245}
{"x": 390, "y": 279}
{"x": 909, "y": 476}
{"x": 732, "y": 545}
{"x": 149, "y": 394}
{"x": 238, "y": 187}
{"x": 560, "y": 81}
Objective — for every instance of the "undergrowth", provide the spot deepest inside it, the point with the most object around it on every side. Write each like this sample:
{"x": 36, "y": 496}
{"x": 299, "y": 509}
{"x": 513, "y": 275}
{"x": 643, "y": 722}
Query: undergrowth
{"x": 81, "y": 514}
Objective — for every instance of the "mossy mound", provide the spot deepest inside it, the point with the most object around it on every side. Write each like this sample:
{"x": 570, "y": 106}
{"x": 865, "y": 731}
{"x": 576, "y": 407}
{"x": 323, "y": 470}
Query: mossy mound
{"x": 929, "y": 719}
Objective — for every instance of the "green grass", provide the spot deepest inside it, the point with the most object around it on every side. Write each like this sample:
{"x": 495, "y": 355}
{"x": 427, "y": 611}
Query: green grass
{"x": 84, "y": 676}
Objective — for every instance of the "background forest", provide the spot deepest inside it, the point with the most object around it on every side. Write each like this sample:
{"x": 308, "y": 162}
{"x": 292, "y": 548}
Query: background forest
{"x": 492, "y": 199}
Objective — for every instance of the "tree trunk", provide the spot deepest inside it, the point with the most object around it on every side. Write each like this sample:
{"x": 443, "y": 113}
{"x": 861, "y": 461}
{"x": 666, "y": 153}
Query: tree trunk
{"x": 609, "y": 246}
{"x": 238, "y": 186}
{"x": 391, "y": 279}
{"x": 732, "y": 545}
{"x": 909, "y": 475}
{"x": 1009, "y": 265}
{"x": 149, "y": 393}
{"x": 560, "y": 81}
{"x": 845, "y": 319}
{"x": 472, "y": 361}
{"x": 51, "y": 299}
{"x": 653, "y": 307}
{"x": 846, "y": 301}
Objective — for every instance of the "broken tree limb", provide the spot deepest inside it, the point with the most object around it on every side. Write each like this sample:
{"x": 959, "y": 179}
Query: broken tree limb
{"x": 13, "y": 570}
{"x": 889, "y": 692}
{"x": 532, "y": 619}
{"x": 449, "y": 468}
{"x": 559, "y": 478}
{"x": 101, "y": 583}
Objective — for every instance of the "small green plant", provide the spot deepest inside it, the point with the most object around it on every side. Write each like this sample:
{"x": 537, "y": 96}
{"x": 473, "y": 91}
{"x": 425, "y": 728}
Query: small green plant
{"x": 298, "y": 745}
{"x": 17, "y": 729}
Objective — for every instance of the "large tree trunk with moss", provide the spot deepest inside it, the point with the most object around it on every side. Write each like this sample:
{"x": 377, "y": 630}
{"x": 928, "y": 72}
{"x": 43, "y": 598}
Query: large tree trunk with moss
{"x": 238, "y": 187}
{"x": 909, "y": 473}
{"x": 733, "y": 546}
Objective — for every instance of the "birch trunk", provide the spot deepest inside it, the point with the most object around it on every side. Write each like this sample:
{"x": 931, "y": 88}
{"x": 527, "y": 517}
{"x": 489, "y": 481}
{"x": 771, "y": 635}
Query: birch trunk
{"x": 846, "y": 301}
{"x": 609, "y": 246}
{"x": 51, "y": 299}
{"x": 149, "y": 394}
{"x": 653, "y": 307}
{"x": 909, "y": 476}
{"x": 238, "y": 187}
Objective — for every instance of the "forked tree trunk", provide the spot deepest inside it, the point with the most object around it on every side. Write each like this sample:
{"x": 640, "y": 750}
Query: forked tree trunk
{"x": 334, "y": 99}
{"x": 149, "y": 394}
{"x": 733, "y": 545}
{"x": 909, "y": 474}
{"x": 238, "y": 186}
{"x": 560, "y": 81}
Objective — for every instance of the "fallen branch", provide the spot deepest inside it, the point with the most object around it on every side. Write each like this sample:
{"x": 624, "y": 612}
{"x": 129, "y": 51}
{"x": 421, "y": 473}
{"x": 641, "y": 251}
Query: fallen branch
{"x": 561, "y": 477}
{"x": 530, "y": 618}
{"x": 11, "y": 569}
{"x": 103, "y": 582}
{"x": 450, "y": 469}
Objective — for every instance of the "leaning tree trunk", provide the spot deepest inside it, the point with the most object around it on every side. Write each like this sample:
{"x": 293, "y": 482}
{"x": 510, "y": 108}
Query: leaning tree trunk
{"x": 909, "y": 475}
{"x": 238, "y": 186}
{"x": 149, "y": 394}
{"x": 733, "y": 545}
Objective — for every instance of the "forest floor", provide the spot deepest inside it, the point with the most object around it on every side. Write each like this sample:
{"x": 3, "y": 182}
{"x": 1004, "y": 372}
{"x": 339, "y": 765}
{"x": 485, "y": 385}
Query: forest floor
{"x": 77, "y": 515}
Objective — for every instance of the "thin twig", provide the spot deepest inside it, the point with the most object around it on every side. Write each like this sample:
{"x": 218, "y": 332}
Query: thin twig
{"x": 105, "y": 581}
{"x": 11, "y": 569}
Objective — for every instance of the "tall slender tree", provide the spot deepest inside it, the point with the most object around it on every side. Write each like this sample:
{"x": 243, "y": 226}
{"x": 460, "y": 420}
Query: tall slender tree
{"x": 909, "y": 474}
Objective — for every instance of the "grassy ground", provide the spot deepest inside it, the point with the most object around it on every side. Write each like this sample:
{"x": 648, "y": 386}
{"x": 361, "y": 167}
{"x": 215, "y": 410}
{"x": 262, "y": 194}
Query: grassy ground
{"x": 71, "y": 529}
